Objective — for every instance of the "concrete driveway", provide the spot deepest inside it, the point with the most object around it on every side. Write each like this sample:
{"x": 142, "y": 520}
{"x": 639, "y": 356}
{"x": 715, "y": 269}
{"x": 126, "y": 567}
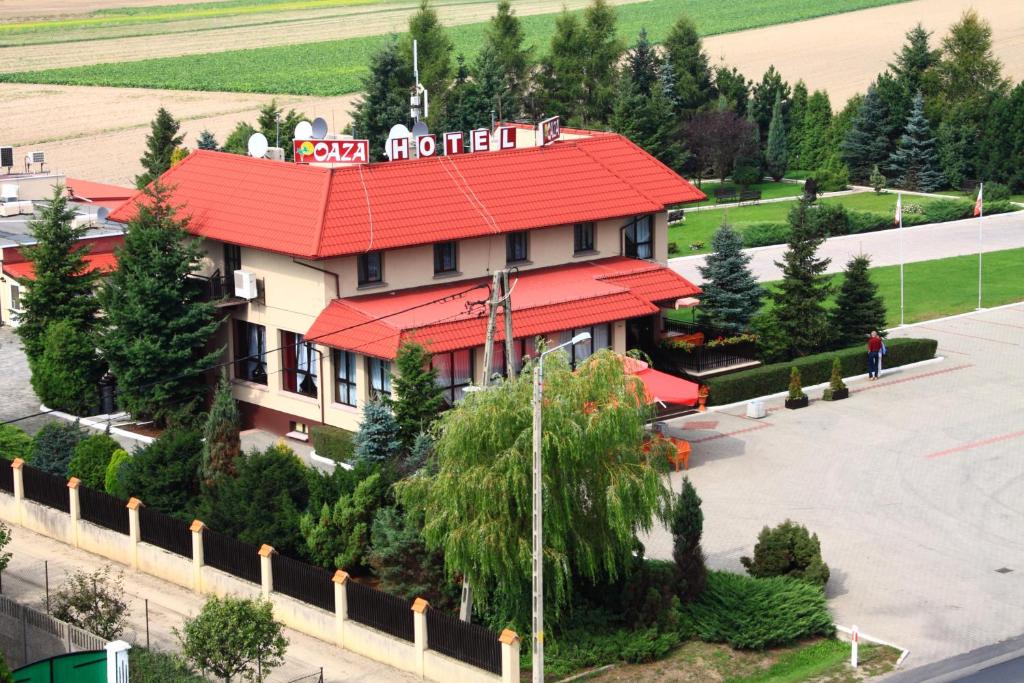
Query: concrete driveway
{"x": 915, "y": 486}
{"x": 16, "y": 395}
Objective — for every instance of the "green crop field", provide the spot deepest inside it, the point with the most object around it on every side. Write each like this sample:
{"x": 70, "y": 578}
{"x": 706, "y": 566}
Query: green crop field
{"x": 336, "y": 67}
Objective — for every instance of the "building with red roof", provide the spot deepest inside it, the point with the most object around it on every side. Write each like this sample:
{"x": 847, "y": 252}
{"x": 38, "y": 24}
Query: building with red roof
{"x": 336, "y": 267}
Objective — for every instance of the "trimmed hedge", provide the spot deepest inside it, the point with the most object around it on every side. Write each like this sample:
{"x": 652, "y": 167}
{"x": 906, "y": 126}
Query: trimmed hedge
{"x": 770, "y": 379}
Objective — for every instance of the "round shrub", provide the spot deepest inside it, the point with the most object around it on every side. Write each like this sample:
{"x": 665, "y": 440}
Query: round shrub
{"x": 90, "y": 460}
{"x": 788, "y": 550}
{"x": 14, "y": 443}
{"x": 113, "y": 477}
{"x": 65, "y": 375}
{"x": 996, "y": 192}
{"x": 54, "y": 445}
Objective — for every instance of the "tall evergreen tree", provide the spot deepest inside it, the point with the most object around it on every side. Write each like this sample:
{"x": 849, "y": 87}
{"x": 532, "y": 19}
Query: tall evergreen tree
{"x": 207, "y": 141}
{"x": 731, "y": 295}
{"x": 896, "y": 100}
{"x": 505, "y": 38}
{"x": 734, "y": 88}
{"x": 915, "y": 161}
{"x": 764, "y": 94}
{"x": 161, "y": 142}
{"x": 968, "y": 71}
{"x": 419, "y": 400}
{"x": 278, "y": 126}
{"x": 222, "y": 444}
{"x": 815, "y": 134}
{"x": 237, "y": 141}
{"x": 648, "y": 120}
{"x": 642, "y": 65}
{"x": 866, "y": 145}
{"x": 603, "y": 50}
{"x": 776, "y": 152}
{"x": 562, "y": 70}
{"x": 687, "y": 529}
{"x": 797, "y": 113}
{"x": 435, "y": 57}
{"x": 748, "y": 168}
{"x": 466, "y": 106}
{"x": 859, "y": 307}
{"x": 64, "y": 283}
{"x": 685, "y": 51}
{"x": 799, "y": 300}
{"x": 1002, "y": 146}
{"x": 157, "y": 326}
{"x": 384, "y": 101}
{"x": 914, "y": 59}
{"x": 379, "y": 437}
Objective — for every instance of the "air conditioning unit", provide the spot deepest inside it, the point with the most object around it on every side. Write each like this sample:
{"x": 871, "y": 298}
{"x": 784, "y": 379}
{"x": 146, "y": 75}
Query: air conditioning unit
{"x": 38, "y": 157}
{"x": 246, "y": 286}
{"x": 275, "y": 153}
{"x": 8, "y": 192}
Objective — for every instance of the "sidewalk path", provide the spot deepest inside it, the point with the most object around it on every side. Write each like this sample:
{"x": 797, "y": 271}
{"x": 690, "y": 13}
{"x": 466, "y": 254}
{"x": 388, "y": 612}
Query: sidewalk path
{"x": 920, "y": 243}
{"x": 169, "y": 605}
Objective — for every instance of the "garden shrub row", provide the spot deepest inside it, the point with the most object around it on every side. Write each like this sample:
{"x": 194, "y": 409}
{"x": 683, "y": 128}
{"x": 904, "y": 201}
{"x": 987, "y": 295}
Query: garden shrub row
{"x": 770, "y": 379}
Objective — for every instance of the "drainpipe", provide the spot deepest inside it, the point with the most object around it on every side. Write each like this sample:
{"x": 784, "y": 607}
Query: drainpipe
{"x": 337, "y": 280}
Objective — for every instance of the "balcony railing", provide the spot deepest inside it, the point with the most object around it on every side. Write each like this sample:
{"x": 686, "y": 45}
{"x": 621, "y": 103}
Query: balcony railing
{"x": 701, "y": 358}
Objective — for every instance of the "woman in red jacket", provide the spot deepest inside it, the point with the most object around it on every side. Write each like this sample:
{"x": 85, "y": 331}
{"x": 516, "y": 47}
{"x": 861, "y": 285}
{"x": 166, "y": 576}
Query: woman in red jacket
{"x": 874, "y": 354}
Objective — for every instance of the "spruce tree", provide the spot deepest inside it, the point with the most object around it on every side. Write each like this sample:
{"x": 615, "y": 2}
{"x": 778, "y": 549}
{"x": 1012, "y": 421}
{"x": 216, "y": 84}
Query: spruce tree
{"x": 505, "y": 37}
{"x": 642, "y": 65}
{"x": 748, "y": 168}
{"x": 914, "y": 58}
{"x": 66, "y": 375}
{"x": 731, "y": 295}
{"x": 776, "y": 152}
{"x": 157, "y": 327}
{"x": 278, "y": 126}
{"x": 562, "y": 71}
{"x": 221, "y": 445}
{"x": 419, "y": 400}
{"x": 207, "y": 141}
{"x": 867, "y": 143}
{"x": 859, "y": 307}
{"x": 64, "y": 283}
{"x": 1002, "y": 146}
{"x": 384, "y": 101}
{"x": 161, "y": 142}
{"x": 379, "y": 437}
{"x": 237, "y": 141}
{"x": 466, "y": 106}
{"x": 915, "y": 161}
{"x": 684, "y": 50}
{"x": 815, "y": 133}
{"x": 601, "y": 58}
{"x": 687, "y": 529}
{"x": 734, "y": 87}
{"x": 799, "y": 309}
{"x": 649, "y": 122}
{"x": 435, "y": 58}
{"x": 764, "y": 94}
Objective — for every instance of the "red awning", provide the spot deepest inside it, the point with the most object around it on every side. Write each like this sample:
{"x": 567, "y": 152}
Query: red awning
{"x": 661, "y": 387}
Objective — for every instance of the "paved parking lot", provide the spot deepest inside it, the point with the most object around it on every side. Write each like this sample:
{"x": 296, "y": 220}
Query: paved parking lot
{"x": 16, "y": 395}
{"x": 915, "y": 486}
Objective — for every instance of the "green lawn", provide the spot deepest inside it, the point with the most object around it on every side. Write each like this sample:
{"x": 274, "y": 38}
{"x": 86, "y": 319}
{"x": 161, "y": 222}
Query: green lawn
{"x": 769, "y": 190}
{"x": 336, "y": 67}
{"x": 701, "y": 225}
{"x": 934, "y": 289}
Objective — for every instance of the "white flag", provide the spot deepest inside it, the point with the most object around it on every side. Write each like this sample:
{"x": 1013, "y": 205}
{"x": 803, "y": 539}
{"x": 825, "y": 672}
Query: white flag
{"x": 898, "y": 218}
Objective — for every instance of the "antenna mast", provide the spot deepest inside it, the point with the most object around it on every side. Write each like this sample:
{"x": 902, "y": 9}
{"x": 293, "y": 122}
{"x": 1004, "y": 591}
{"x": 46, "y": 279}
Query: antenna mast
{"x": 418, "y": 89}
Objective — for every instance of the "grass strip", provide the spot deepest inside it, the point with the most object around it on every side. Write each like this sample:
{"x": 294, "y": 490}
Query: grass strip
{"x": 801, "y": 664}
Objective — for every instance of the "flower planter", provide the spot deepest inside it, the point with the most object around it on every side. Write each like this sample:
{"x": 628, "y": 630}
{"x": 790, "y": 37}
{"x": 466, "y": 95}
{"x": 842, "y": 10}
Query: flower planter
{"x": 794, "y": 403}
{"x": 836, "y": 394}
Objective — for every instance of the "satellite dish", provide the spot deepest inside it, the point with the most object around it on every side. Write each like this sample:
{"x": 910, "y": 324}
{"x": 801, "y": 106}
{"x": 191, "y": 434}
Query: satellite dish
{"x": 303, "y": 130}
{"x": 319, "y": 128}
{"x": 398, "y": 131}
{"x": 420, "y": 129}
{"x": 102, "y": 213}
{"x": 258, "y": 145}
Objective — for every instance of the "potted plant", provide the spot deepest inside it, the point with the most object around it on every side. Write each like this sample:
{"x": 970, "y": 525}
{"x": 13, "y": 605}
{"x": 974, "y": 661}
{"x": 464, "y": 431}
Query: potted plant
{"x": 836, "y": 390}
{"x": 797, "y": 398}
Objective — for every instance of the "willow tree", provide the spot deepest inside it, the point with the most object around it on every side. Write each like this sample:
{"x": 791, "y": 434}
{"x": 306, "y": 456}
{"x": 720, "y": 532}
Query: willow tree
{"x": 600, "y": 488}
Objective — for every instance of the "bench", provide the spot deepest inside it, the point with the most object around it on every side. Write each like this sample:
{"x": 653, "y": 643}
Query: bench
{"x": 750, "y": 196}
{"x": 723, "y": 195}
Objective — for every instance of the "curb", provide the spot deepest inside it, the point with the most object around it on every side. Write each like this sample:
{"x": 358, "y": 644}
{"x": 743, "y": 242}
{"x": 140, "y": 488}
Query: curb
{"x": 102, "y": 426}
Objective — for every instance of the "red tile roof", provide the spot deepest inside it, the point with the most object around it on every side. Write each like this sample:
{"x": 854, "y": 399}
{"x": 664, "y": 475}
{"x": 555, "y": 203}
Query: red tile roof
{"x": 89, "y": 190}
{"x": 104, "y": 262}
{"x": 320, "y": 213}
{"x": 453, "y": 316}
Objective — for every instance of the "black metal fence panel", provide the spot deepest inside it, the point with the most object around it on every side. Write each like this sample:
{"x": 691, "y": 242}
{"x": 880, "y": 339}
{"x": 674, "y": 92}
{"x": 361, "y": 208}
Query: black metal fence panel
{"x": 165, "y": 532}
{"x": 232, "y": 556}
{"x": 464, "y": 641}
{"x": 302, "y": 581}
{"x": 6, "y": 477}
{"x": 103, "y": 509}
{"x": 46, "y": 488}
{"x": 382, "y": 611}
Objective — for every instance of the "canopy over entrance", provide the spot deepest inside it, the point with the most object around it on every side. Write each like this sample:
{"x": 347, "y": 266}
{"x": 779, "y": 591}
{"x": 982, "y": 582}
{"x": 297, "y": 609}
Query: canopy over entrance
{"x": 661, "y": 387}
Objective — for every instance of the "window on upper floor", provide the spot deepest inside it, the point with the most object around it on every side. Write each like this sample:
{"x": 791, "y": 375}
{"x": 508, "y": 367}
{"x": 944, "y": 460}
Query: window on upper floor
{"x": 639, "y": 235}
{"x": 583, "y": 237}
{"x": 445, "y": 258}
{"x": 516, "y": 246}
{"x": 454, "y": 373}
{"x": 344, "y": 377}
{"x": 371, "y": 268}
{"x": 298, "y": 364}
{"x": 250, "y": 352}
{"x": 380, "y": 377}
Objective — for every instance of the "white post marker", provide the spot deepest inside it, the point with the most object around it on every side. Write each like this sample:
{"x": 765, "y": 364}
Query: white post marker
{"x": 979, "y": 211}
{"x": 899, "y": 235}
{"x": 854, "y": 642}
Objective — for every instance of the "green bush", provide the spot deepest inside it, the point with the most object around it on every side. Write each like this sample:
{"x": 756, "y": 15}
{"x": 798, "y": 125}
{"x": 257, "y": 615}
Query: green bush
{"x": 54, "y": 445}
{"x": 765, "y": 234}
{"x": 770, "y": 379}
{"x": 113, "y": 478}
{"x": 65, "y": 375}
{"x": 833, "y": 176}
{"x": 14, "y": 443}
{"x": 581, "y": 648}
{"x": 90, "y": 460}
{"x": 788, "y": 550}
{"x": 165, "y": 474}
{"x": 754, "y": 614}
{"x": 867, "y": 221}
{"x": 996, "y": 192}
{"x": 154, "y": 666}
{"x": 331, "y": 442}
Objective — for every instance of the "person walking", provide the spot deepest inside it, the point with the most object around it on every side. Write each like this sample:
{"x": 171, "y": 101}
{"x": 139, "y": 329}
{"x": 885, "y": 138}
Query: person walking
{"x": 874, "y": 354}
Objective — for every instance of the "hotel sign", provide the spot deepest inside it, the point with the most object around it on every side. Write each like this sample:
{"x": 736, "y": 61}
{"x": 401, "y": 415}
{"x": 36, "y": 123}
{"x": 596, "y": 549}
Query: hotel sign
{"x": 332, "y": 151}
{"x": 548, "y": 131}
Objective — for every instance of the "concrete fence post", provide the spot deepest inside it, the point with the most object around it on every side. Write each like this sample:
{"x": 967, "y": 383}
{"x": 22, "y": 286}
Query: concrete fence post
{"x": 19, "y": 488}
{"x": 340, "y": 606}
{"x": 134, "y": 531}
{"x": 509, "y": 656}
{"x": 266, "y": 570}
{"x": 75, "y": 507}
{"x": 419, "y": 625}
{"x": 197, "y": 555}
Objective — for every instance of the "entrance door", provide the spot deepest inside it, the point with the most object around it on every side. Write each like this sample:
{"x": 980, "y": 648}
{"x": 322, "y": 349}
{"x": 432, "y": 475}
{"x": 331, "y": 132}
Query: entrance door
{"x": 640, "y": 333}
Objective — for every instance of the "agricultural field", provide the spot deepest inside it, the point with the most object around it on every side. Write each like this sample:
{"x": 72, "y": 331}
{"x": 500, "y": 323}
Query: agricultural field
{"x": 336, "y": 67}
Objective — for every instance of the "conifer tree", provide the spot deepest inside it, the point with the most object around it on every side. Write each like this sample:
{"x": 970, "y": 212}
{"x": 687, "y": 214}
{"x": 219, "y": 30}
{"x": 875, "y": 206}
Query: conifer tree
{"x": 1002, "y": 147}
{"x": 379, "y": 436}
{"x": 221, "y": 445}
{"x": 505, "y": 38}
{"x": 776, "y": 153}
{"x": 466, "y": 106}
{"x": 384, "y": 101}
{"x": 968, "y": 71}
{"x": 731, "y": 295}
{"x": 748, "y": 168}
{"x": 161, "y": 142}
{"x": 687, "y": 529}
{"x": 764, "y": 94}
{"x": 797, "y": 112}
{"x": 799, "y": 309}
{"x": 914, "y": 59}
{"x": 419, "y": 400}
{"x": 601, "y": 59}
{"x": 237, "y": 141}
{"x": 859, "y": 307}
{"x": 435, "y": 58}
{"x": 642, "y": 65}
{"x": 685, "y": 51}
{"x": 915, "y": 161}
{"x": 866, "y": 145}
{"x": 815, "y": 133}
{"x": 207, "y": 141}
{"x": 278, "y": 126}
{"x": 155, "y": 341}
{"x": 562, "y": 70}
{"x": 669, "y": 84}
{"x": 63, "y": 284}
{"x": 734, "y": 88}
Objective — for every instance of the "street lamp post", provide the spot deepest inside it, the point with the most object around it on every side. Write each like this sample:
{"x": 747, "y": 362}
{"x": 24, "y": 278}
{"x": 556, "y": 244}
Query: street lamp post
{"x": 538, "y": 511}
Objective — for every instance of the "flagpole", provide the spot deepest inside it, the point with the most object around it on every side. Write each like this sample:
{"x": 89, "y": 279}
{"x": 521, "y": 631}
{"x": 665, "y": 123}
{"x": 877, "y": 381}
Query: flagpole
{"x": 899, "y": 213}
{"x": 981, "y": 214}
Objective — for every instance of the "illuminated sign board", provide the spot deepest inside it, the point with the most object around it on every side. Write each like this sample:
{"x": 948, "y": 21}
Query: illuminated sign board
{"x": 548, "y": 131}
{"x": 332, "y": 151}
